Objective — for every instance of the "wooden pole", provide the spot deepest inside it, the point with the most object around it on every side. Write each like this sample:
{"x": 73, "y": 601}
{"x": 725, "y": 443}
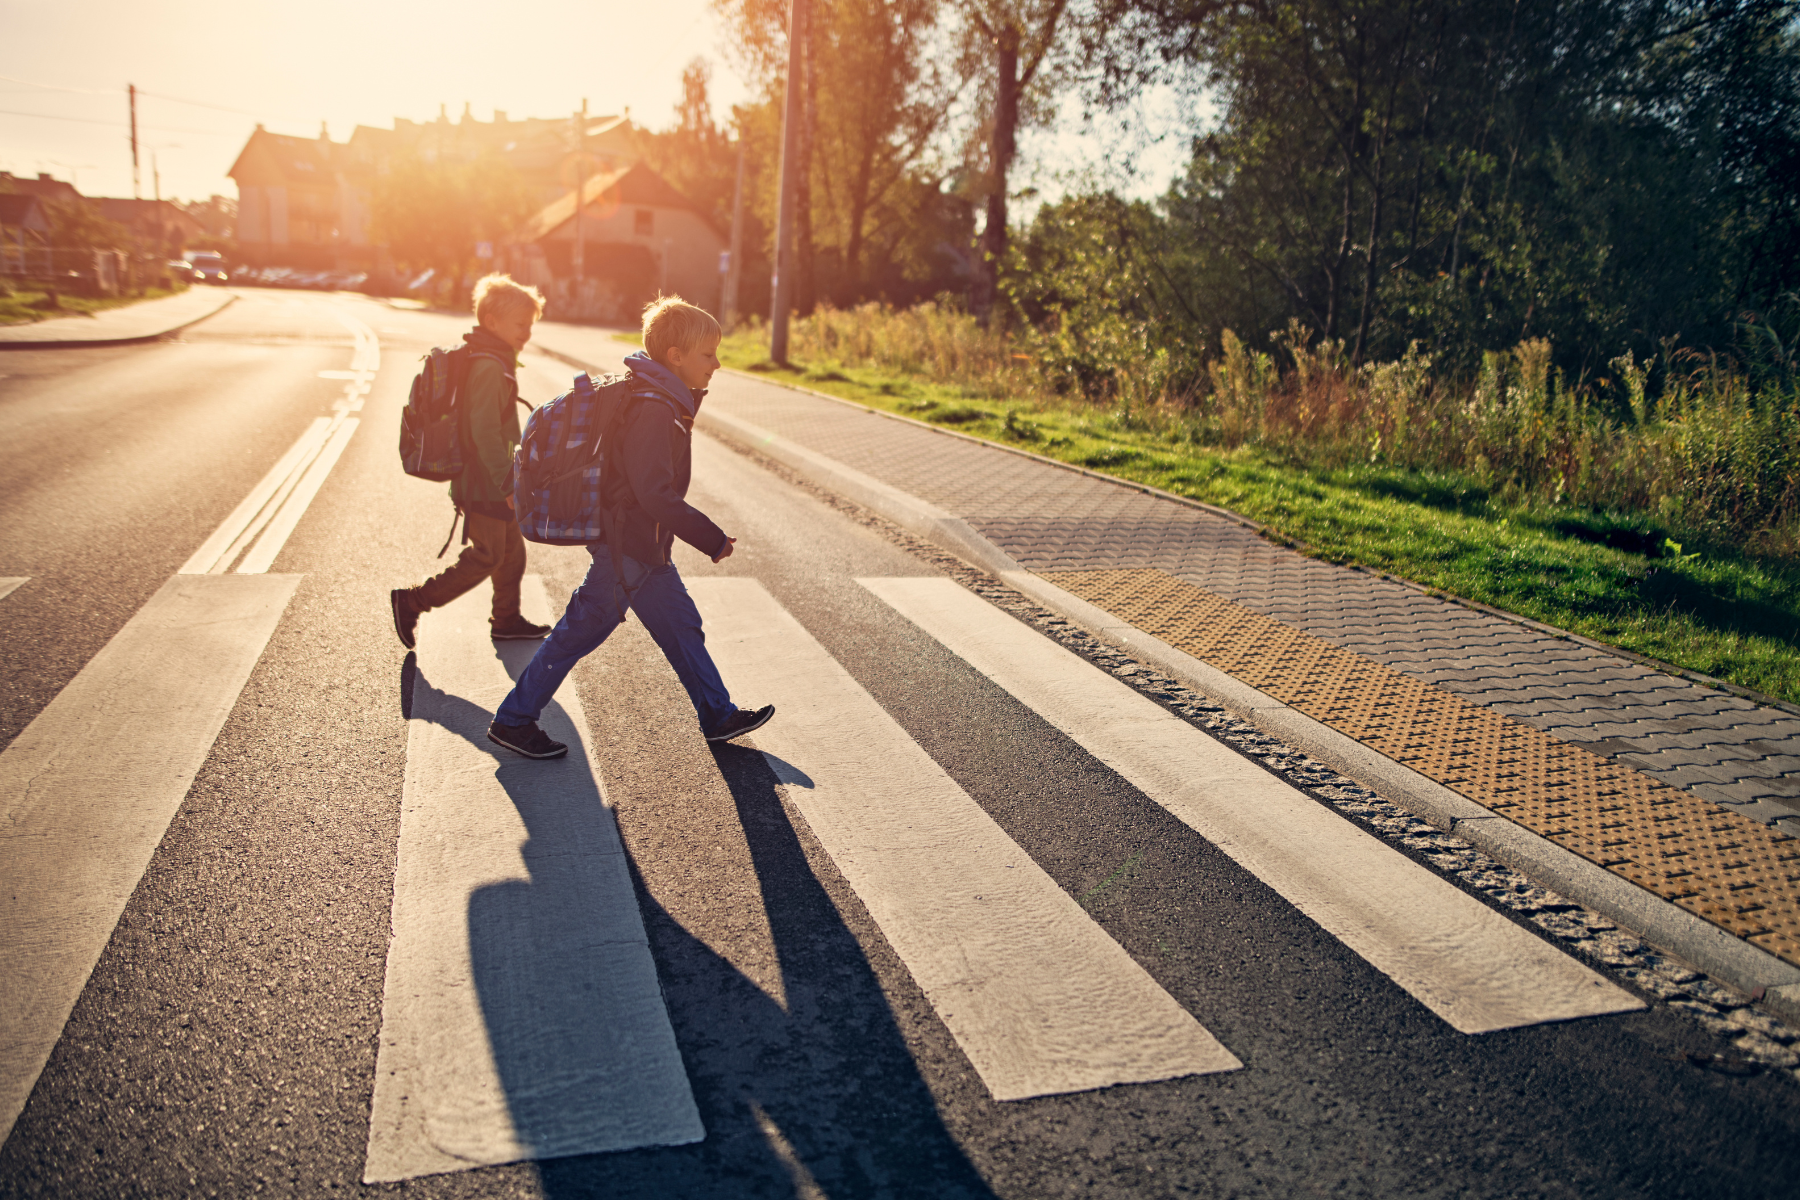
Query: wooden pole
{"x": 137, "y": 192}
{"x": 781, "y": 300}
{"x": 734, "y": 266}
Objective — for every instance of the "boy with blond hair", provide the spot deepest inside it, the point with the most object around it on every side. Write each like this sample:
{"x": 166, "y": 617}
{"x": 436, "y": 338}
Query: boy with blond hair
{"x": 647, "y": 494}
{"x": 488, "y": 403}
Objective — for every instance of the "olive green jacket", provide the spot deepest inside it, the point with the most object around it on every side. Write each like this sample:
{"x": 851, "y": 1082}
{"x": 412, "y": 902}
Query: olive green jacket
{"x": 490, "y": 411}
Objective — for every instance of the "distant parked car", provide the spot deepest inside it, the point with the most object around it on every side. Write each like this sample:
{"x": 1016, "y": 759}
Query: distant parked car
{"x": 210, "y": 264}
{"x": 182, "y": 271}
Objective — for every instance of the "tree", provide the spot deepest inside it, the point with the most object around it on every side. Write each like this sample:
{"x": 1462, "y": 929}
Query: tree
{"x": 1020, "y": 36}
{"x": 1606, "y": 173}
{"x": 431, "y": 210}
{"x": 870, "y": 213}
{"x": 78, "y": 225}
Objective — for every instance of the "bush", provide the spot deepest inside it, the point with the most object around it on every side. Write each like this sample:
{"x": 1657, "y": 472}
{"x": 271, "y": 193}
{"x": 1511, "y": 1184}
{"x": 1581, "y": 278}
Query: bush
{"x": 1712, "y": 451}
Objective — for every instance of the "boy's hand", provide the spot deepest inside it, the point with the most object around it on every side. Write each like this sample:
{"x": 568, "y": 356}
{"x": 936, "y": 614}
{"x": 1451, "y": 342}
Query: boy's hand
{"x": 725, "y": 553}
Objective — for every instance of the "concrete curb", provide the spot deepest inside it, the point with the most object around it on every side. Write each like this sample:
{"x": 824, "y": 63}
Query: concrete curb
{"x": 230, "y": 298}
{"x": 1670, "y": 928}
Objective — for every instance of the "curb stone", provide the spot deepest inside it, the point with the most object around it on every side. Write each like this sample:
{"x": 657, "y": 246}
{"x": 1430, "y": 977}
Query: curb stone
{"x": 133, "y": 340}
{"x": 1680, "y": 933}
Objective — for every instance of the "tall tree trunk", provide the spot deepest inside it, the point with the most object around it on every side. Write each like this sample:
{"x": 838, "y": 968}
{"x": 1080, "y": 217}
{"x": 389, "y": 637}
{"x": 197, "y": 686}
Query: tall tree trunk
{"x": 1000, "y": 154}
{"x": 805, "y": 278}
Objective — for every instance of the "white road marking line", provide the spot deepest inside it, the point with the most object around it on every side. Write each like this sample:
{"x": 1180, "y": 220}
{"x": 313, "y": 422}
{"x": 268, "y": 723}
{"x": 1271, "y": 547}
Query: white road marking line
{"x": 11, "y": 583}
{"x": 87, "y": 791}
{"x": 294, "y": 507}
{"x": 277, "y": 503}
{"x": 1462, "y": 960}
{"x": 1040, "y": 999}
{"x": 220, "y": 550}
{"x": 521, "y": 1016}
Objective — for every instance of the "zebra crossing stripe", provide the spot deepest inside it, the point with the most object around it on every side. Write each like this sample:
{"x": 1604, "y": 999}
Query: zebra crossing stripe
{"x": 88, "y": 789}
{"x": 1465, "y": 962}
{"x": 1035, "y": 993}
{"x": 521, "y": 1016}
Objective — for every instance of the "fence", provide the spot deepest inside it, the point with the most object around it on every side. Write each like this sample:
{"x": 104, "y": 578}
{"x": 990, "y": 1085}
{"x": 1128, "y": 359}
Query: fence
{"x": 79, "y": 270}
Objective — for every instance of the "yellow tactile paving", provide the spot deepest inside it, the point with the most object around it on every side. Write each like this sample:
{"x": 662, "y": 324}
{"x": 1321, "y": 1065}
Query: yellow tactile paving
{"x": 1737, "y": 873}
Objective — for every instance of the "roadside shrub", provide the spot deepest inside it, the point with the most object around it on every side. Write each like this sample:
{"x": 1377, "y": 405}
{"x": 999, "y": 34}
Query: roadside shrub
{"x": 1710, "y": 449}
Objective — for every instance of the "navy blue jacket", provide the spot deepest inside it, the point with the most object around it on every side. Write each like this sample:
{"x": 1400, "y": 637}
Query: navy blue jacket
{"x": 655, "y": 454}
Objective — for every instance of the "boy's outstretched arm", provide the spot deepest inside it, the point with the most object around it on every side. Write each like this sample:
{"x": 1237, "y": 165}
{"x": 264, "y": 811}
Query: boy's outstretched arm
{"x": 653, "y": 438}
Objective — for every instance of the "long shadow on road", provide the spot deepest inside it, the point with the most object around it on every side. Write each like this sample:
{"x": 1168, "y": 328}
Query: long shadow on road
{"x": 819, "y": 1099}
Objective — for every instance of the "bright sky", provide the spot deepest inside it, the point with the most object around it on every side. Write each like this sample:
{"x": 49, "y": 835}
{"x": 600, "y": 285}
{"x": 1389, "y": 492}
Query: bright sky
{"x": 291, "y": 66}
{"x": 207, "y": 71}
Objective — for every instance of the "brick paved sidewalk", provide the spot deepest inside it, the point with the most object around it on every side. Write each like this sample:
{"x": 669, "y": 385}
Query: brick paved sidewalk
{"x": 1690, "y": 792}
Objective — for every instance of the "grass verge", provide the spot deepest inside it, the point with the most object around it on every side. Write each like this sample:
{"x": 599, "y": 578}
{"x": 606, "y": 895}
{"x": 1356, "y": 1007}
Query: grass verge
{"x": 22, "y": 307}
{"x": 1710, "y": 609}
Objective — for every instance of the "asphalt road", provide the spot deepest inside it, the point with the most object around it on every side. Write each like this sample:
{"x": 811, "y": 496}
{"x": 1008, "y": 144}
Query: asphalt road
{"x": 225, "y": 1043}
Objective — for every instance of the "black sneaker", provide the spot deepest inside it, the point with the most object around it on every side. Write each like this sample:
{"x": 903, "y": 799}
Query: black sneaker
{"x": 741, "y": 722}
{"x": 406, "y": 616}
{"x": 518, "y": 628}
{"x": 526, "y": 739}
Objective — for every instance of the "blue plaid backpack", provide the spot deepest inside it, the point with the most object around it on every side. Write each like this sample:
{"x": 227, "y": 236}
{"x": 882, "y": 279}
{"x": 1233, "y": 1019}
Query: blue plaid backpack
{"x": 561, "y": 457}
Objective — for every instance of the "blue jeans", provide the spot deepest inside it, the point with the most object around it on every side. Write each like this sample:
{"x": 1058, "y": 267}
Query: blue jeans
{"x": 597, "y": 608}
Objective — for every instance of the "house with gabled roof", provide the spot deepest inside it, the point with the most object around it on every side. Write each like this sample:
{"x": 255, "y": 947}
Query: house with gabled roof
{"x": 639, "y": 237}
{"x": 290, "y": 200}
{"x": 305, "y": 202}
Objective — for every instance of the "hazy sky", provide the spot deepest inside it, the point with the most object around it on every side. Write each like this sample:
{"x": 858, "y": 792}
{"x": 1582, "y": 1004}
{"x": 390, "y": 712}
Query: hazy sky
{"x": 346, "y": 63}
{"x": 293, "y": 65}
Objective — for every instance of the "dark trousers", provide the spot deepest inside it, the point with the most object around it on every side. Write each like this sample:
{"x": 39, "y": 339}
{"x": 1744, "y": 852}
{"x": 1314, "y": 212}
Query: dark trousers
{"x": 662, "y": 603}
{"x": 496, "y": 551}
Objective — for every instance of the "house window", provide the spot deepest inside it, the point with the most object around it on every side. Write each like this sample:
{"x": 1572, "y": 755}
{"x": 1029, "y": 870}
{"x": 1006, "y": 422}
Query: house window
{"x": 646, "y": 223}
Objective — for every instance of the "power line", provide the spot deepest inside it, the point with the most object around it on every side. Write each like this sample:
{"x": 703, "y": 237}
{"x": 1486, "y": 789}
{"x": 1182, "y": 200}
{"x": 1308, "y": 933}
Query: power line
{"x": 7, "y": 112}
{"x": 57, "y": 87}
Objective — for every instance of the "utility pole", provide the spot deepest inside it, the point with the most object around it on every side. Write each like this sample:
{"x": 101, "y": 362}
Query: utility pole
{"x": 155, "y": 177}
{"x": 734, "y": 270}
{"x": 576, "y": 259}
{"x": 136, "y": 191}
{"x": 782, "y": 298}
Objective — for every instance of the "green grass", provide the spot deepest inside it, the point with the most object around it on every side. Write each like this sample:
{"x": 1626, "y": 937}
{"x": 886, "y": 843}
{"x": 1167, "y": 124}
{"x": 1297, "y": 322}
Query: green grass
{"x": 22, "y": 307}
{"x": 1711, "y": 609}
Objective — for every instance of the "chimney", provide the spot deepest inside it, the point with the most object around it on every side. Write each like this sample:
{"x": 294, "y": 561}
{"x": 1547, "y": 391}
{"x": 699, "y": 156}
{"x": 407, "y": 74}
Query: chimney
{"x": 467, "y": 114}
{"x": 46, "y": 177}
{"x": 324, "y": 135}
{"x": 443, "y": 113}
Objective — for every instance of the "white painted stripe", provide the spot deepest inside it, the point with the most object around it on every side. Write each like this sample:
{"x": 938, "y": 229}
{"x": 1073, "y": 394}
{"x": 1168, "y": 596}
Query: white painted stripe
{"x": 89, "y": 787}
{"x": 1462, "y": 960}
{"x": 1040, "y": 999}
{"x": 521, "y": 1016}
{"x": 11, "y": 583}
{"x": 282, "y": 496}
{"x": 294, "y": 507}
{"x": 212, "y": 557}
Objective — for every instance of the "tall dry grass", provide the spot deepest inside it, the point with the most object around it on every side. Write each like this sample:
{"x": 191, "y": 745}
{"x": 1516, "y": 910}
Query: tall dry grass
{"x": 1705, "y": 451}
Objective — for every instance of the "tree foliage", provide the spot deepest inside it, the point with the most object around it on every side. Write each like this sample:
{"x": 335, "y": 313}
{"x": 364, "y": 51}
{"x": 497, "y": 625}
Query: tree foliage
{"x": 1468, "y": 173}
{"x": 430, "y": 211}
{"x": 877, "y": 216}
